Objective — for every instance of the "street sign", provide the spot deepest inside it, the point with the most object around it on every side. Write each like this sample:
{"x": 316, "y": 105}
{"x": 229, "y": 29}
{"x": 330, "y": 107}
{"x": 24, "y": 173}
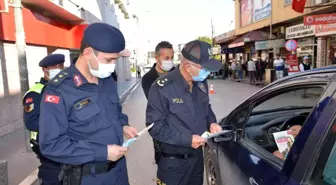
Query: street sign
{"x": 291, "y": 45}
{"x": 292, "y": 63}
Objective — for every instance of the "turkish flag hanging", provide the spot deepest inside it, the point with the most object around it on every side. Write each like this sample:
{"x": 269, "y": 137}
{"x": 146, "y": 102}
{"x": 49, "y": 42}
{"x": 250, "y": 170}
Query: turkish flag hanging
{"x": 298, "y": 5}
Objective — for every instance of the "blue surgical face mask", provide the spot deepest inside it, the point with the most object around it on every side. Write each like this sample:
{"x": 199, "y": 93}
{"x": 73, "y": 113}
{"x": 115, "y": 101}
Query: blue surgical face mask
{"x": 202, "y": 75}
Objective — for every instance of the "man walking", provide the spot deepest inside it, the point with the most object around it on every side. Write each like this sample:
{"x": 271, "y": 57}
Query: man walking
{"x": 51, "y": 65}
{"x": 81, "y": 122}
{"x": 178, "y": 105}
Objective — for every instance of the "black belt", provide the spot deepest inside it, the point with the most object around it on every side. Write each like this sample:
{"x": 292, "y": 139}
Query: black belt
{"x": 89, "y": 169}
{"x": 176, "y": 156}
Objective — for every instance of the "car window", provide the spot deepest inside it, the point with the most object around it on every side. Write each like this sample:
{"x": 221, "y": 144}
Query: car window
{"x": 277, "y": 118}
{"x": 239, "y": 116}
{"x": 325, "y": 170}
{"x": 295, "y": 98}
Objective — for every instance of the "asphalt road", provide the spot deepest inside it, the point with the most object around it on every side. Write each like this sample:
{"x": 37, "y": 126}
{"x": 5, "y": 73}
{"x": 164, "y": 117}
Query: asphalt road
{"x": 140, "y": 158}
{"x": 141, "y": 167}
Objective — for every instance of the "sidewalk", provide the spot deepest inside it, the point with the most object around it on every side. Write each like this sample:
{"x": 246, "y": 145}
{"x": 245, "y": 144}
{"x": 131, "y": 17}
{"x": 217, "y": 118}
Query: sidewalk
{"x": 13, "y": 149}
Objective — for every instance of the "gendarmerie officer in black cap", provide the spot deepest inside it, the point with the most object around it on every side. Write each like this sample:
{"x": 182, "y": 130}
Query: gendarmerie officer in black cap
{"x": 82, "y": 124}
{"x": 51, "y": 66}
{"x": 178, "y": 105}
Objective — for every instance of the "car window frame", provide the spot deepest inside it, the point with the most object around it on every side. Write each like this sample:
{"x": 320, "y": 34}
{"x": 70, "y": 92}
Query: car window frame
{"x": 277, "y": 163}
{"x": 318, "y": 151}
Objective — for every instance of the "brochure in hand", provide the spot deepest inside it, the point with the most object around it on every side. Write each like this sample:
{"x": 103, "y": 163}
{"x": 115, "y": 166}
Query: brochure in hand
{"x": 208, "y": 135}
{"x": 284, "y": 141}
{"x": 128, "y": 142}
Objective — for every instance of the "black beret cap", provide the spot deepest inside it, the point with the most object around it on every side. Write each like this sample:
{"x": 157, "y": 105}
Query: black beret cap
{"x": 104, "y": 38}
{"x": 52, "y": 59}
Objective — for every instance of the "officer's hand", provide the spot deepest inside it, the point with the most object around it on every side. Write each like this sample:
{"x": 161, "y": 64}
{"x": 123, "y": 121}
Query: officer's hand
{"x": 115, "y": 152}
{"x": 215, "y": 128}
{"x": 129, "y": 132}
{"x": 197, "y": 141}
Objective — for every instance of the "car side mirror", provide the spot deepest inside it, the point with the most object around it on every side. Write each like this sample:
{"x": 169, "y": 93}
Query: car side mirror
{"x": 224, "y": 137}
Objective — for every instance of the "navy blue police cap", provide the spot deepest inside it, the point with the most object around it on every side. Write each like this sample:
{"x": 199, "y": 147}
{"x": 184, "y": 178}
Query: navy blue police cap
{"x": 104, "y": 38}
{"x": 52, "y": 59}
{"x": 199, "y": 52}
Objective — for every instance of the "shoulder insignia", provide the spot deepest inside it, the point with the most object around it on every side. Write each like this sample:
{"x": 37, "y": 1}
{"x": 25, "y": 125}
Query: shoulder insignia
{"x": 162, "y": 82}
{"x": 28, "y": 108}
{"x": 59, "y": 78}
{"x": 202, "y": 87}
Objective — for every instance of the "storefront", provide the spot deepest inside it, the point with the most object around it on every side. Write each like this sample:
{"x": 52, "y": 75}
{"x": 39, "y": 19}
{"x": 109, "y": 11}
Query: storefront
{"x": 307, "y": 44}
{"x": 268, "y": 48}
{"x": 247, "y": 42}
{"x": 223, "y": 40}
{"x": 326, "y": 43}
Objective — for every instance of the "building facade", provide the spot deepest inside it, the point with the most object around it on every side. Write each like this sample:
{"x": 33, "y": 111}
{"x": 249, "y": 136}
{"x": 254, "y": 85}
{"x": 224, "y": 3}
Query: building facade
{"x": 263, "y": 26}
{"x": 51, "y": 26}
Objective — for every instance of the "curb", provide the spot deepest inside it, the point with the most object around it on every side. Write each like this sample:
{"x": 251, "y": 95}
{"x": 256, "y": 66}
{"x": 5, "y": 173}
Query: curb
{"x": 32, "y": 178}
{"x": 129, "y": 91}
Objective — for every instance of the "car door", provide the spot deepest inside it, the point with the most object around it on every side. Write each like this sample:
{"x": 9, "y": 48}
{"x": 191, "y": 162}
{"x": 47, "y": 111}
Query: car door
{"x": 246, "y": 163}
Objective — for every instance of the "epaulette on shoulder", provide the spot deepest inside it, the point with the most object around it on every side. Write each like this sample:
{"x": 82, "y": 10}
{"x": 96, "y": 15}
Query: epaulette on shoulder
{"x": 59, "y": 78}
{"x": 163, "y": 81}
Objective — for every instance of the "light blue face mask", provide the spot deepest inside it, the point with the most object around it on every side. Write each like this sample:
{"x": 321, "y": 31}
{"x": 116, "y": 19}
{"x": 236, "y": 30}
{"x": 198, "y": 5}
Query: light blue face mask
{"x": 202, "y": 75}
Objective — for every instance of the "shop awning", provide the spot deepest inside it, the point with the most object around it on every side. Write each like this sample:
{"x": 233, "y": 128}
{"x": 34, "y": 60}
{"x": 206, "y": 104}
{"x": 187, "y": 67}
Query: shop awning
{"x": 225, "y": 37}
{"x": 250, "y": 37}
{"x": 50, "y": 7}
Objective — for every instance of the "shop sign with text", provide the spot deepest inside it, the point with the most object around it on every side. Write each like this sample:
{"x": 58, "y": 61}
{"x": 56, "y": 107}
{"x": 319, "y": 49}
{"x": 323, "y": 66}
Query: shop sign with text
{"x": 269, "y": 44}
{"x": 325, "y": 29}
{"x": 320, "y": 19}
{"x": 292, "y": 62}
{"x": 299, "y": 31}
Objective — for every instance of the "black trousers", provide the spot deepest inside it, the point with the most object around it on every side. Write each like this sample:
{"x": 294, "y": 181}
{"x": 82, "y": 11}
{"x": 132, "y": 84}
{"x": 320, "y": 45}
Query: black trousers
{"x": 49, "y": 172}
{"x": 181, "y": 171}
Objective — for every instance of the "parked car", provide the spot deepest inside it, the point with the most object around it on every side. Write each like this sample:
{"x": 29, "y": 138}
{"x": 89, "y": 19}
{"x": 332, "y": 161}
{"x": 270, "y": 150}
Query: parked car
{"x": 245, "y": 155}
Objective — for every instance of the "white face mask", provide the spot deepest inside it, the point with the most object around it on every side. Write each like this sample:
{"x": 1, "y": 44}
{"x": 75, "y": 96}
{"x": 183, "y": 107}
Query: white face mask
{"x": 167, "y": 65}
{"x": 53, "y": 73}
{"x": 103, "y": 71}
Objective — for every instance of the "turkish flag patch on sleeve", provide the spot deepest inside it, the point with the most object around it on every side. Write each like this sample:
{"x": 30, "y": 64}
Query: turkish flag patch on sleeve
{"x": 51, "y": 99}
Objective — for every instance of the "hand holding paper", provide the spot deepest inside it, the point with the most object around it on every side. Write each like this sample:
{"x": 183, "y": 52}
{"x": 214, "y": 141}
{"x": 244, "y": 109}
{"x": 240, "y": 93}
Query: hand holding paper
{"x": 128, "y": 142}
{"x": 208, "y": 135}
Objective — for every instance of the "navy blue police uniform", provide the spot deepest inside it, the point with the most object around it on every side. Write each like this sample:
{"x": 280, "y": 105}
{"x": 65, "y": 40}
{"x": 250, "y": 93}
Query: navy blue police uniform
{"x": 83, "y": 118}
{"x": 48, "y": 170}
{"x": 177, "y": 114}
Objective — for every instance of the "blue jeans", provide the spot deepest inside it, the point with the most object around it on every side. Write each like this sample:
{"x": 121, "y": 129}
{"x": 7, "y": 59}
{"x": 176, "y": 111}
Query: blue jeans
{"x": 240, "y": 74}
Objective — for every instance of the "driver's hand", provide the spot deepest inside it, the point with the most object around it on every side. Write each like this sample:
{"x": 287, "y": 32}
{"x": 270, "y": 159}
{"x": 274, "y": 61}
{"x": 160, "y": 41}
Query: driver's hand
{"x": 295, "y": 130}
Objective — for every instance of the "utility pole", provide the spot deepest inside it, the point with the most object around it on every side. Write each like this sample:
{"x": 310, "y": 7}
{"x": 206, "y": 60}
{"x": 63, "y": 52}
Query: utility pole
{"x": 21, "y": 52}
{"x": 270, "y": 36}
{"x": 212, "y": 34}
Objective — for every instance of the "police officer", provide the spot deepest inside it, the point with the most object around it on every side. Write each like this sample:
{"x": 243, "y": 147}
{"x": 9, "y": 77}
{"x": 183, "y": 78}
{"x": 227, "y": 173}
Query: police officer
{"x": 178, "y": 105}
{"x": 82, "y": 123}
{"x": 51, "y": 66}
{"x": 164, "y": 54}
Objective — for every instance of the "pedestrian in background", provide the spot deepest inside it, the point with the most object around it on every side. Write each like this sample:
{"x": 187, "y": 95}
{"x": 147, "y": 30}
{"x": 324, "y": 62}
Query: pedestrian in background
{"x": 279, "y": 66}
{"x": 81, "y": 120}
{"x": 51, "y": 65}
{"x": 251, "y": 67}
{"x": 233, "y": 69}
{"x": 239, "y": 70}
{"x": 178, "y": 105}
{"x": 305, "y": 66}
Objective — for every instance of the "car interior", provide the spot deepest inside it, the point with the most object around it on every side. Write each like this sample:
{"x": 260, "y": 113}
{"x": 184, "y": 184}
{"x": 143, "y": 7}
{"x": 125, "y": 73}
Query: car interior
{"x": 280, "y": 113}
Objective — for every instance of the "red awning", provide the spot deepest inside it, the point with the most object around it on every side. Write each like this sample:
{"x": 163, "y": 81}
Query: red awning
{"x": 52, "y": 8}
{"x": 250, "y": 37}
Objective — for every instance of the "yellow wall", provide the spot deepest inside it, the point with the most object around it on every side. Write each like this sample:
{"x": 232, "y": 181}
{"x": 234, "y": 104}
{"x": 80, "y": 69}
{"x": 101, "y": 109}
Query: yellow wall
{"x": 280, "y": 13}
